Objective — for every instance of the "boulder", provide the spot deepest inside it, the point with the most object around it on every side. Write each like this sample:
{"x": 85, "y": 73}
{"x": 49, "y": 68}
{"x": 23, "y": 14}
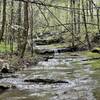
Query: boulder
{"x": 96, "y": 50}
{"x": 44, "y": 51}
{"x": 48, "y": 41}
{"x": 52, "y": 51}
{"x": 6, "y": 86}
{"x": 96, "y": 38}
{"x": 5, "y": 70}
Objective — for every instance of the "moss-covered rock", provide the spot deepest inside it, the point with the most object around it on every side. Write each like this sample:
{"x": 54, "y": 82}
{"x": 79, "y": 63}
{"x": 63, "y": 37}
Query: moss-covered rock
{"x": 95, "y": 50}
{"x": 96, "y": 38}
{"x": 6, "y": 86}
{"x": 49, "y": 41}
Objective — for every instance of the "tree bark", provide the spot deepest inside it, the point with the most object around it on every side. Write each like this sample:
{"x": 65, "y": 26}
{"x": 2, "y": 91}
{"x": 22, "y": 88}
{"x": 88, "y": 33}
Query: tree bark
{"x": 31, "y": 30}
{"x": 25, "y": 31}
{"x": 3, "y": 20}
{"x": 11, "y": 30}
{"x": 98, "y": 21}
{"x": 19, "y": 21}
{"x": 86, "y": 29}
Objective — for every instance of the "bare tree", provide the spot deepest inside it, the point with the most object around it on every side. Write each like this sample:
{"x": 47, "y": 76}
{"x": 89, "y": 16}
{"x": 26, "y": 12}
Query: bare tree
{"x": 25, "y": 31}
{"x": 19, "y": 21}
{"x": 98, "y": 20}
{"x": 3, "y": 20}
{"x": 86, "y": 29}
{"x": 11, "y": 24}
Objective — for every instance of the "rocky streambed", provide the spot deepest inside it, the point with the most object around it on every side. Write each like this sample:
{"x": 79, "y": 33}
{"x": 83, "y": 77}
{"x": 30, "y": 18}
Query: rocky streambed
{"x": 59, "y": 78}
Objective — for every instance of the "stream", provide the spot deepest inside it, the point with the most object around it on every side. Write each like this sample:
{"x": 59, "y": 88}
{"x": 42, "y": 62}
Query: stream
{"x": 80, "y": 84}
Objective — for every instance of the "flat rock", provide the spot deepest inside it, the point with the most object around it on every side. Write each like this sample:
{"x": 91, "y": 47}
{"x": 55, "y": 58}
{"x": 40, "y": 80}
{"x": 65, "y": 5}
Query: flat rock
{"x": 48, "y": 41}
{"x": 52, "y": 51}
{"x": 8, "y": 75}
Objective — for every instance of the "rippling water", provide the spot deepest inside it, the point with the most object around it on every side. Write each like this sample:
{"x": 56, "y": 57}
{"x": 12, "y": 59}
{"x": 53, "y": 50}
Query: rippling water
{"x": 79, "y": 87}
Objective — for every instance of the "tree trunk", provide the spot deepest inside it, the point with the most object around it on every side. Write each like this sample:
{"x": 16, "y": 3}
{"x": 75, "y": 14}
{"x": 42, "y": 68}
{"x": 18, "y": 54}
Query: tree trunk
{"x": 3, "y": 20}
{"x": 86, "y": 29}
{"x": 98, "y": 21}
{"x": 79, "y": 17}
{"x": 25, "y": 31}
{"x": 72, "y": 25}
{"x": 11, "y": 30}
{"x": 31, "y": 30}
{"x": 19, "y": 21}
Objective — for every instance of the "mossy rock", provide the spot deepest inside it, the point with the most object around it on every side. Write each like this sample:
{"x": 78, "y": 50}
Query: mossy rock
{"x": 43, "y": 51}
{"x": 96, "y": 50}
{"x": 6, "y": 86}
{"x": 49, "y": 41}
{"x": 97, "y": 93}
{"x": 96, "y": 38}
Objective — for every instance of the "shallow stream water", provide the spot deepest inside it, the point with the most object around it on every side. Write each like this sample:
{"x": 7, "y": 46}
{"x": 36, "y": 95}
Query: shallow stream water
{"x": 63, "y": 66}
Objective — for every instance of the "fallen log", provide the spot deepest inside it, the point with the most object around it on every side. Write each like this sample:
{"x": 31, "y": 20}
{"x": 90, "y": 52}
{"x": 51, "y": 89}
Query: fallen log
{"x": 45, "y": 81}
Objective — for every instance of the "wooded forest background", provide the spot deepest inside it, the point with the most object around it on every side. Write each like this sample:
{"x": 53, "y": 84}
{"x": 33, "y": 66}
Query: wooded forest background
{"x": 78, "y": 21}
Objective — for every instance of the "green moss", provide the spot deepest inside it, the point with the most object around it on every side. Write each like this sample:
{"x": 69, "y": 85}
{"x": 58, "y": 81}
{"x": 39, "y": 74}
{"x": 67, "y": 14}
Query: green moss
{"x": 97, "y": 93}
{"x": 5, "y": 48}
{"x": 76, "y": 63}
{"x": 90, "y": 54}
{"x": 95, "y": 64}
{"x": 97, "y": 48}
